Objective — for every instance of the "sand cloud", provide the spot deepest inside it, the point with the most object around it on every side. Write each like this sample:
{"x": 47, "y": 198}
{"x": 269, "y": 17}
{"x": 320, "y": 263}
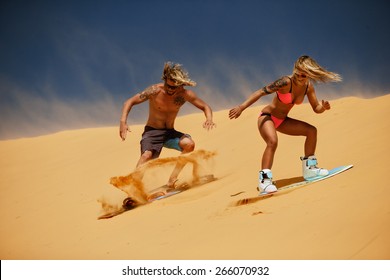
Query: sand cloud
{"x": 102, "y": 74}
{"x": 29, "y": 114}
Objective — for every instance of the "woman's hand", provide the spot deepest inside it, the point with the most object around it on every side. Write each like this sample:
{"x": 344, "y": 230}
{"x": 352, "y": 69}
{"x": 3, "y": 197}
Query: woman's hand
{"x": 326, "y": 105}
{"x": 235, "y": 112}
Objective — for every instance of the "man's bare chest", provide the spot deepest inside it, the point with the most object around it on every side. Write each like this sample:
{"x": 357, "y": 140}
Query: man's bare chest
{"x": 168, "y": 103}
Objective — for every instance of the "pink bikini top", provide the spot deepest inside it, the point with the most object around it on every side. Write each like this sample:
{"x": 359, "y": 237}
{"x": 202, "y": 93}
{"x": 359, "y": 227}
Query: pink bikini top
{"x": 286, "y": 98}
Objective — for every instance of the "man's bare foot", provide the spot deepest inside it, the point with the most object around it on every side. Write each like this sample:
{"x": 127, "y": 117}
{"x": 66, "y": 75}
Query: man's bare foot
{"x": 171, "y": 185}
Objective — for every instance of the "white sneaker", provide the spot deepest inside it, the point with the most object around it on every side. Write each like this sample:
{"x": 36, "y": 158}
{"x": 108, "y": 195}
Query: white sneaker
{"x": 310, "y": 169}
{"x": 265, "y": 182}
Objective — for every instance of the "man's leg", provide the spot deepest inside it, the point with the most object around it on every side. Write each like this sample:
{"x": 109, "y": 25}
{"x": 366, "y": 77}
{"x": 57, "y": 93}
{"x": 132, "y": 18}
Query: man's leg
{"x": 145, "y": 157}
{"x": 138, "y": 174}
{"x": 187, "y": 145}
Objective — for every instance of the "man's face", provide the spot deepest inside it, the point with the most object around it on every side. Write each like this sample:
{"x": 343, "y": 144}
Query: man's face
{"x": 170, "y": 87}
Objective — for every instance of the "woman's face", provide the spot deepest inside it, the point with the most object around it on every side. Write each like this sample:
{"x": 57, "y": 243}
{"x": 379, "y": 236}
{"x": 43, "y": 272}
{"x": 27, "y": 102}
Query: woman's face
{"x": 300, "y": 76}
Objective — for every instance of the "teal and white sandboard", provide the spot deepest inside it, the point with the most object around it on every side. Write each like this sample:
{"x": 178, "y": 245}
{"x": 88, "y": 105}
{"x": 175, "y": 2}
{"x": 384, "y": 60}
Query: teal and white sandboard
{"x": 332, "y": 173}
{"x": 294, "y": 183}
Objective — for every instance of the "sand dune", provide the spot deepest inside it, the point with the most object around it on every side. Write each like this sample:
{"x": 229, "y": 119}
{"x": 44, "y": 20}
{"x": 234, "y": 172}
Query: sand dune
{"x": 50, "y": 187}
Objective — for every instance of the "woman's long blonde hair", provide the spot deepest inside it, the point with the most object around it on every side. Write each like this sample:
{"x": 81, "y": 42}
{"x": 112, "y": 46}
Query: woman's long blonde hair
{"x": 307, "y": 65}
{"x": 176, "y": 73}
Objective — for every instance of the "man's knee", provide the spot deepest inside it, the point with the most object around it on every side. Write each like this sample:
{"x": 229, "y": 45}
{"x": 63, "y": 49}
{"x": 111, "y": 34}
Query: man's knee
{"x": 187, "y": 144}
{"x": 146, "y": 156}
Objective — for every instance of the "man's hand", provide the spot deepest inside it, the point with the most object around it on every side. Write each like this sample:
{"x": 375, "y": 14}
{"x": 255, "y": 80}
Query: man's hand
{"x": 209, "y": 125}
{"x": 123, "y": 129}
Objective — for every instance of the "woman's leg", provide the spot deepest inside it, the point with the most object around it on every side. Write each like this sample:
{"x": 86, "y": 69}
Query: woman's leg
{"x": 299, "y": 128}
{"x": 309, "y": 161}
{"x": 268, "y": 133}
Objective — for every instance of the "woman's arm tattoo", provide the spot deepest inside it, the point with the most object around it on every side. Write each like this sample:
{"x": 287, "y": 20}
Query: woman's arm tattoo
{"x": 265, "y": 90}
{"x": 278, "y": 84}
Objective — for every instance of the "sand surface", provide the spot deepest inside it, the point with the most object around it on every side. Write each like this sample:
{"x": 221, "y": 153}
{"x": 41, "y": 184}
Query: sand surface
{"x": 50, "y": 188}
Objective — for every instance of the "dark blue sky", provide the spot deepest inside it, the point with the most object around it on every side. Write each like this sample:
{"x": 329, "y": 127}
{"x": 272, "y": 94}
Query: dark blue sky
{"x": 71, "y": 64}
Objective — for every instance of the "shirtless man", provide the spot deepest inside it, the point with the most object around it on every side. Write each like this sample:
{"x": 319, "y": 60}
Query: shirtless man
{"x": 165, "y": 100}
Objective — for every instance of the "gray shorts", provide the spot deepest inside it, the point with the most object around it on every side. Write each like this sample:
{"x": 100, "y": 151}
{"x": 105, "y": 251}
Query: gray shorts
{"x": 154, "y": 140}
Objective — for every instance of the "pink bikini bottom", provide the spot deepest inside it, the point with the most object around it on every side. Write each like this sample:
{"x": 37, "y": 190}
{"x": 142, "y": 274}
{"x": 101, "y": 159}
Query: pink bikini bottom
{"x": 276, "y": 120}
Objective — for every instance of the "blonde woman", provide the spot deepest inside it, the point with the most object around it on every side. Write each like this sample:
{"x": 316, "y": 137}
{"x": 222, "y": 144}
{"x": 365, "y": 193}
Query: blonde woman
{"x": 290, "y": 90}
{"x": 165, "y": 100}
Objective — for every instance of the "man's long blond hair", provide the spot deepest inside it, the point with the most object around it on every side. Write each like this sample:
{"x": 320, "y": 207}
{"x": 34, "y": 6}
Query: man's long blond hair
{"x": 176, "y": 73}
{"x": 307, "y": 65}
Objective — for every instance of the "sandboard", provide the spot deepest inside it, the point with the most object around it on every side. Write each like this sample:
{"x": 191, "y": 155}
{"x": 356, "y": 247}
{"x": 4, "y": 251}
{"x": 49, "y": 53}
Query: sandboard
{"x": 293, "y": 183}
{"x": 157, "y": 194}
